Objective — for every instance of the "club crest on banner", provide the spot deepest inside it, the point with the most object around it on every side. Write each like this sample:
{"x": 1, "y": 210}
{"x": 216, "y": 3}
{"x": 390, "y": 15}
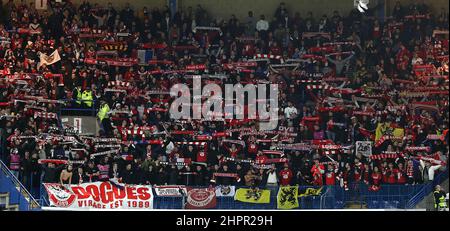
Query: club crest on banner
{"x": 225, "y": 191}
{"x": 199, "y": 198}
{"x": 60, "y": 195}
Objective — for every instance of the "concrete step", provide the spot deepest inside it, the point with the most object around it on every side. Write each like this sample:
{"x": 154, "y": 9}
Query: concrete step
{"x": 14, "y": 207}
{"x": 355, "y": 205}
{"x": 4, "y": 199}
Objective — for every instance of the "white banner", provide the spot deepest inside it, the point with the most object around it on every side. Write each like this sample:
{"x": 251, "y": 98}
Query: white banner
{"x": 48, "y": 59}
{"x": 170, "y": 190}
{"x": 225, "y": 191}
{"x": 100, "y": 195}
{"x": 41, "y": 4}
{"x": 364, "y": 148}
{"x": 77, "y": 124}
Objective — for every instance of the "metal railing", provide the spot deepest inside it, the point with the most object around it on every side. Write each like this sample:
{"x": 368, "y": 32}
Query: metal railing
{"x": 388, "y": 197}
{"x": 176, "y": 202}
{"x": 25, "y": 200}
{"x": 426, "y": 190}
{"x": 71, "y": 106}
{"x": 333, "y": 197}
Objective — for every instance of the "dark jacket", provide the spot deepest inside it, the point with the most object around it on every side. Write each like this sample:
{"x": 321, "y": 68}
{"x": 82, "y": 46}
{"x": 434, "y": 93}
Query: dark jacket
{"x": 128, "y": 176}
{"x": 76, "y": 178}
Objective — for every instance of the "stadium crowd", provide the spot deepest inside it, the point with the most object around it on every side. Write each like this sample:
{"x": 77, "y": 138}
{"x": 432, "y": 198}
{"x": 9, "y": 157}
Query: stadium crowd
{"x": 342, "y": 79}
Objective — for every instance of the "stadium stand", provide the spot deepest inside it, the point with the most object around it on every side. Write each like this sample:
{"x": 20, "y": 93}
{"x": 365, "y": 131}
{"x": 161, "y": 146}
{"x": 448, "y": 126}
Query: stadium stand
{"x": 362, "y": 112}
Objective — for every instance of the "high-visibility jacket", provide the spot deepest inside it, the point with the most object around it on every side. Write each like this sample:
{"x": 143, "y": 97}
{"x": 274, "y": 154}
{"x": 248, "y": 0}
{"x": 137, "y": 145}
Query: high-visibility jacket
{"x": 87, "y": 98}
{"x": 439, "y": 197}
{"x": 103, "y": 112}
{"x": 79, "y": 98}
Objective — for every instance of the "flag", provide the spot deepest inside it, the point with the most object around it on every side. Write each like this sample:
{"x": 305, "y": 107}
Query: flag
{"x": 383, "y": 129}
{"x": 225, "y": 191}
{"x": 378, "y": 132}
{"x": 259, "y": 196}
{"x": 399, "y": 132}
{"x": 287, "y": 197}
{"x": 48, "y": 59}
{"x": 201, "y": 198}
{"x": 144, "y": 56}
{"x": 310, "y": 192}
{"x": 41, "y": 4}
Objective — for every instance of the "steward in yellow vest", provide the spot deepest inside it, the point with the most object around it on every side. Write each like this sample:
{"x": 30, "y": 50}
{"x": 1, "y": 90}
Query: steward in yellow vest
{"x": 77, "y": 95}
{"x": 439, "y": 198}
{"x": 103, "y": 111}
{"x": 87, "y": 97}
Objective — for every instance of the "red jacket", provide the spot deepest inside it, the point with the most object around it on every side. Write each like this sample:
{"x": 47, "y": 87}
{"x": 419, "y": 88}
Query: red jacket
{"x": 252, "y": 148}
{"x": 376, "y": 178}
{"x": 330, "y": 178}
{"x": 317, "y": 172}
{"x": 401, "y": 176}
{"x": 202, "y": 156}
{"x": 391, "y": 176}
{"x": 285, "y": 177}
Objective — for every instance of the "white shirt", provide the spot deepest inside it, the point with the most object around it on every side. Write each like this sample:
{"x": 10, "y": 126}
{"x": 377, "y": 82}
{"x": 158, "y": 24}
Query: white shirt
{"x": 262, "y": 25}
{"x": 289, "y": 111}
{"x": 272, "y": 178}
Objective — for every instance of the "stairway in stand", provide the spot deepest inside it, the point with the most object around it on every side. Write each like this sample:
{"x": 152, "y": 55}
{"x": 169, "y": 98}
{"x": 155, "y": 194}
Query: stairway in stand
{"x": 355, "y": 205}
{"x": 4, "y": 203}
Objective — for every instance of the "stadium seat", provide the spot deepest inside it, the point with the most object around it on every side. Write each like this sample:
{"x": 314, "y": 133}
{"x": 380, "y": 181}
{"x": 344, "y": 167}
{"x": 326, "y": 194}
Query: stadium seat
{"x": 395, "y": 204}
{"x": 339, "y": 205}
{"x": 373, "y": 204}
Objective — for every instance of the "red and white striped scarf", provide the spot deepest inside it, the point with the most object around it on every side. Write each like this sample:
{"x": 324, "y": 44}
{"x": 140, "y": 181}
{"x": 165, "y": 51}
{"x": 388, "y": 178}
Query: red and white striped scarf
{"x": 118, "y": 83}
{"x": 267, "y": 56}
{"x": 46, "y": 115}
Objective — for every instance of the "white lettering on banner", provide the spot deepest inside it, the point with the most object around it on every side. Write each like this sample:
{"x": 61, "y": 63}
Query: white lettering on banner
{"x": 170, "y": 190}
{"x": 100, "y": 195}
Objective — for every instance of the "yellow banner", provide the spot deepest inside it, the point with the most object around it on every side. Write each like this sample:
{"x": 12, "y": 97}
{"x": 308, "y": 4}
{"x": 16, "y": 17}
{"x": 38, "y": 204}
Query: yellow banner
{"x": 287, "y": 197}
{"x": 252, "y": 195}
{"x": 311, "y": 192}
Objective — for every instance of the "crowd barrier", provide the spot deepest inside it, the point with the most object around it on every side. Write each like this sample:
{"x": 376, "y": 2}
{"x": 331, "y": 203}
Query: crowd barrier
{"x": 332, "y": 197}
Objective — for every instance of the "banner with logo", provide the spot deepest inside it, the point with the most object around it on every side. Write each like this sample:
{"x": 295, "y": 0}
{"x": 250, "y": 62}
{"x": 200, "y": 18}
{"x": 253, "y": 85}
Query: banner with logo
{"x": 287, "y": 197}
{"x": 364, "y": 148}
{"x": 100, "y": 195}
{"x": 225, "y": 191}
{"x": 201, "y": 198}
{"x": 48, "y": 59}
{"x": 170, "y": 190}
{"x": 259, "y": 196}
{"x": 309, "y": 192}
